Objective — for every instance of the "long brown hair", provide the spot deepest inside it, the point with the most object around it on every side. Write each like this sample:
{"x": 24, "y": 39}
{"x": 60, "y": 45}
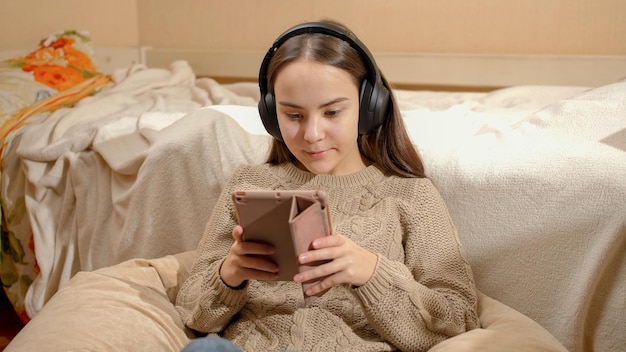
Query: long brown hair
{"x": 389, "y": 145}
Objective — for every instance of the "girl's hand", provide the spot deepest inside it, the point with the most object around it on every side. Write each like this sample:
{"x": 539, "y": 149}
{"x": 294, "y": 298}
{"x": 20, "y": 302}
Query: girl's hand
{"x": 348, "y": 263}
{"x": 243, "y": 261}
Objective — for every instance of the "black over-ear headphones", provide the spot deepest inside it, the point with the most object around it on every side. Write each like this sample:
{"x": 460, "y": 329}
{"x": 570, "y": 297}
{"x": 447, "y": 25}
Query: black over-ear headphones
{"x": 373, "y": 98}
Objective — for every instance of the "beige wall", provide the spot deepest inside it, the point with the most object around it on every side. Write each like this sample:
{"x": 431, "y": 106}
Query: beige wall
{"x": 418, "y": 43}
{"x": 112, "y": 23}
{"x": 552, "y": 27}
{"x": 581, "y": 27}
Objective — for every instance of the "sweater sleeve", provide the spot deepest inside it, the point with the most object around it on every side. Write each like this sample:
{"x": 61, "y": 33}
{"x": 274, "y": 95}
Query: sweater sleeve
{"x": 432, "y": 295}
{"x": 204, "y": 302}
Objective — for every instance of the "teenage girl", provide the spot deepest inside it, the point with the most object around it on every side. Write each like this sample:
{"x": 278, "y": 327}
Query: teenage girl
{"x": 394, "y": 278}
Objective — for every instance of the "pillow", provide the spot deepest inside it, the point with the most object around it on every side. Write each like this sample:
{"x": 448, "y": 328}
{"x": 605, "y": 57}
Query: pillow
{"x": 597, "y": 114}
{"x": 126, "y": 307}
{"x": 61, "y": 61}
{"x": 502, "y": 329}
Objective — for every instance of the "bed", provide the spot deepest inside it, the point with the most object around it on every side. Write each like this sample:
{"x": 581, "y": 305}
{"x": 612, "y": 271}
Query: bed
{"x": 97, "y": 170}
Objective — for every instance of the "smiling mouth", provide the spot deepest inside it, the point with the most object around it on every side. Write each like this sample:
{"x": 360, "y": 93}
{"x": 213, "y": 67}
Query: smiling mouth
{"x": 317, "y": 154}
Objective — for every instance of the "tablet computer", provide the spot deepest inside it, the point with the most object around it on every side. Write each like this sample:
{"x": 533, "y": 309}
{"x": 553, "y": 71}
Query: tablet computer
{"x": 287, "y": 219}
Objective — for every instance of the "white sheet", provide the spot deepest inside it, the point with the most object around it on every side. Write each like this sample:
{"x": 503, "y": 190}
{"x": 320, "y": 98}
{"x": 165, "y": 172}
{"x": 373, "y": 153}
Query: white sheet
{"x": 90, "y": 172}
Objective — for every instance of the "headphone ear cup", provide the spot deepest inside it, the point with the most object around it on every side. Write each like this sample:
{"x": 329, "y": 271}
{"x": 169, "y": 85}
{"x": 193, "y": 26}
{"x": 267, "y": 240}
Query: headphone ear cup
{"x": 267, "y": 111}
{"x": 373, "y": 106}
{"x": 381, "y": 111}
{"x": 365, "y": 115}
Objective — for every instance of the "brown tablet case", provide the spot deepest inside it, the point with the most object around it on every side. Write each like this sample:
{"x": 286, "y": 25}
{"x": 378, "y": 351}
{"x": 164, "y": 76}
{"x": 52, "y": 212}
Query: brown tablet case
{"x": 288, "y": 220}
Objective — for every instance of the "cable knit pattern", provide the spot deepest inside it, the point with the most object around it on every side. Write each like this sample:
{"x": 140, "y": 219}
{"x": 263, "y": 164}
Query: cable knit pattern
{"x": 421, "y": 293}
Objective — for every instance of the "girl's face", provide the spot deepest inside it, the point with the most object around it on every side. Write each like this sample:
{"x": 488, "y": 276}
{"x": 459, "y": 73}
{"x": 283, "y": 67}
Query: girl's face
{"x": 318, "y": 114}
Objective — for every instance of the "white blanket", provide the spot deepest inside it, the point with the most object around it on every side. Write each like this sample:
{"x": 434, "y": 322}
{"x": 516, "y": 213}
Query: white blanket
{"x": 540, "y": 206}
{"x": 106, "y": 180}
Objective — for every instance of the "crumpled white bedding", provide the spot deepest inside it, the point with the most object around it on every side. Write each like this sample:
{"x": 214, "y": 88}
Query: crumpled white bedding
{"x": 102, "y": 178}
{"x": 537, "y": 194}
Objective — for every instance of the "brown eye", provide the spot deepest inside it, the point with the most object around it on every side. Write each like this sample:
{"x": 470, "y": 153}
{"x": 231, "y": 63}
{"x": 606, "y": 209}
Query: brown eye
{"x": 293, "y": 115}
{"x": 332, "y": 113}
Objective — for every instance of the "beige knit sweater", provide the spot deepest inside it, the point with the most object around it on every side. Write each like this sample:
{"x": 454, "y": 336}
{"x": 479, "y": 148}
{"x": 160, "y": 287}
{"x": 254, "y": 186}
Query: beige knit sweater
{"x": 422, "y": 290}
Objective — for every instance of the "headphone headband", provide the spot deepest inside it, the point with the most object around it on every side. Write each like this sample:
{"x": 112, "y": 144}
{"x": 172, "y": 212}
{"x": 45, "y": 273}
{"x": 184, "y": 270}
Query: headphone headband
{"x": 323, "y": 28}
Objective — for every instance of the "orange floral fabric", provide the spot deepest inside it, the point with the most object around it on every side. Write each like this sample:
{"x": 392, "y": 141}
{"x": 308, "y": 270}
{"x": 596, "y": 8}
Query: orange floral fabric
{"x": 58, "y": 65}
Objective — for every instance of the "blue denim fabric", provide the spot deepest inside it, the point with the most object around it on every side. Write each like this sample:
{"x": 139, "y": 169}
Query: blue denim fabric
{"x": 211, "y": 343}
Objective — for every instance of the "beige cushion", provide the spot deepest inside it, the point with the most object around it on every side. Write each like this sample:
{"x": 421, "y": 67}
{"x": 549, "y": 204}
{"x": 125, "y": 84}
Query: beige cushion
{"x": 129, "y": 307}
{"x": 126, "y": 307}
{"x": 503, "y": 329}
